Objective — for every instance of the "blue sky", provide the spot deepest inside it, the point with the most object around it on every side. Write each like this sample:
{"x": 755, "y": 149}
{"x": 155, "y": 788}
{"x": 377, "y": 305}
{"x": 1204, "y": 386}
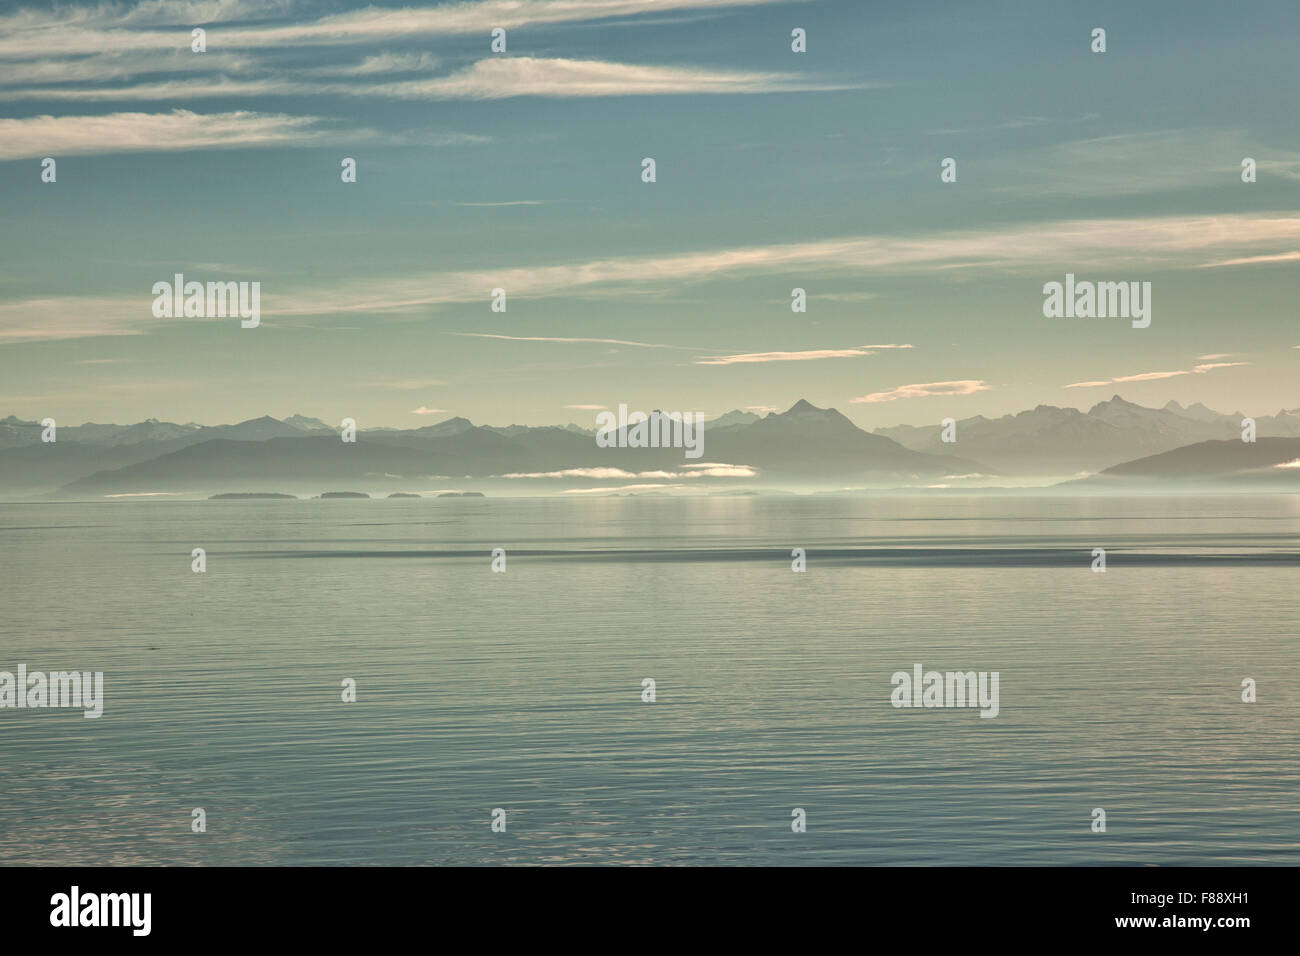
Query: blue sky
{"x": 521, "y": 170}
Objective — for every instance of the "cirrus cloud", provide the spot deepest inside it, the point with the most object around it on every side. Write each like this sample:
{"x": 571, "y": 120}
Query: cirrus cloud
{"x": 804, "y": 356}
{"x": 1157, "y": 376}
{"x": 924, "y": 390}
{"x": 38, "y": 136}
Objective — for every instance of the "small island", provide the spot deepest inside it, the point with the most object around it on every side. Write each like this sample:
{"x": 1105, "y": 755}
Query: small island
{"x": 403, "y": 494}
{"x": 242, "y": 495}
{"x": 462, "y": 494}
{"x": 344, "y": 494}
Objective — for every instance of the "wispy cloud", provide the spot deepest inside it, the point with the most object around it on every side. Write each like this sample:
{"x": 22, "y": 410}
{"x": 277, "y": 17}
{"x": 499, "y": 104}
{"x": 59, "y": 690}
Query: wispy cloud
{"x": 514, "y": 202}
{"x": 43, "y": 52}
{"x": 71, "y": 31}
{"x": 842, "y": 296}
{"x": 597, "y": 491}
{"x": 490, "y": 79}
{"x": 1157, "y": 376}
{"x": 71, "y": 317}
{"x": 1166, "y": 243}
{"x": 422, "y": 410}
{"x": 567, "y": 341}
{"x": 38, "y": 136}
{"x": 1176, "y": 242}
{"x": 1213, "y": 365}
{"x": 1145, "y": 162}
{"x": 699, "y": 470}
{"x": 804, "y": 356}
{"x": 505, "y": 77}
{"x": 1254, "y": 260}
{"x": 382, "y": 63}
{"x": 926, "y": 390}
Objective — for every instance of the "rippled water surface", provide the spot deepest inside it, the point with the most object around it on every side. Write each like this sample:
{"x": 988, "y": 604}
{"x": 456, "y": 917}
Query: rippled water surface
{"x": 522, "y": 690}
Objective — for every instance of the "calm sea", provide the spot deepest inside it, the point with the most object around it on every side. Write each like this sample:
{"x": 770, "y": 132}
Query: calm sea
{"x": 522, "y": 691}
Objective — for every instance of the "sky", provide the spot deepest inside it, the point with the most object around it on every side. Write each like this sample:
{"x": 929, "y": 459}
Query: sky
{"x": 522, "y": 170}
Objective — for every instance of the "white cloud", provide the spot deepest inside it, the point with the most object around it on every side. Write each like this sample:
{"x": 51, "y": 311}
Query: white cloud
{"x": 805, "y": 356}
{"x": 490, "y": 79}
{"x": 504, "y": 77}
{"x": 515, "y": 202}
{"x": 567, "y": 341}
{"x": 842, "y": 296}
{"x": 596, "y": 491}
{"x": 721, "y": 471}
{"x": 113, "y": 65}
{"x": 86, "y": 30}
{"x": 1213, "y": 365}
{"x": 1254, "y": 260}
{"x": 1176, "y": 242}
{"x": 925, "y": 390}
{"x": 428, "y": 411}
{"x": 70, "y": 317}
{"x": 706, "y": 470}
{"x": 385, "y": 63}
{"x": 1157, "y": 376}
{"x": 39, "y": 136}
{"x": 1027, "y": 248}
{"x": 1145, "y": 162}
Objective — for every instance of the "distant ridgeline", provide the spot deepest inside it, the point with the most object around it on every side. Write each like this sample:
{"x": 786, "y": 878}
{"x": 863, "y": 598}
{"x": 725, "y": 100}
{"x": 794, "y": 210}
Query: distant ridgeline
{"x": 803, "y": 449}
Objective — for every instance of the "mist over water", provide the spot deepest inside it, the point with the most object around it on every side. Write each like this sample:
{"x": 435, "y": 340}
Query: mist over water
{"x": 523, "y": 690}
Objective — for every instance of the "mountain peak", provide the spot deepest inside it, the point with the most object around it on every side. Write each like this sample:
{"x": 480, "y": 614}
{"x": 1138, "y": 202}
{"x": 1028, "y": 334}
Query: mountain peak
{"x": 1116, "y": 402}
{"x": 305, "y": 423}
{"x": 803, "y": 405}
{"x": 733, "y": 417}
{"x": 804, "y": 414}
{"x": 448, "y": 427}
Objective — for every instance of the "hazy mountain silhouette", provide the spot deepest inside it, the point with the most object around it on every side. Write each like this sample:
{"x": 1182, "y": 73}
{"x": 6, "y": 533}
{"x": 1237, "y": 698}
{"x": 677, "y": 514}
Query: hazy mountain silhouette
{"x": 732, "y": 418}
{"x": 805, "y": 444}
{"x": 1265, "y": 463}
{"x": 802, "y": 447}
{"x": 28, "y": 465}
{"x": 807, "y": 441}
{"x": 1052, "y": 440}
{"x": 303, "y": 423}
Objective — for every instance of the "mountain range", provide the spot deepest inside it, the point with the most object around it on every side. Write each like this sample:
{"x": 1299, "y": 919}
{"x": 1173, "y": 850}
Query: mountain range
{"x": 1048, "y": 440}
{"x": 1115, "y": 444}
